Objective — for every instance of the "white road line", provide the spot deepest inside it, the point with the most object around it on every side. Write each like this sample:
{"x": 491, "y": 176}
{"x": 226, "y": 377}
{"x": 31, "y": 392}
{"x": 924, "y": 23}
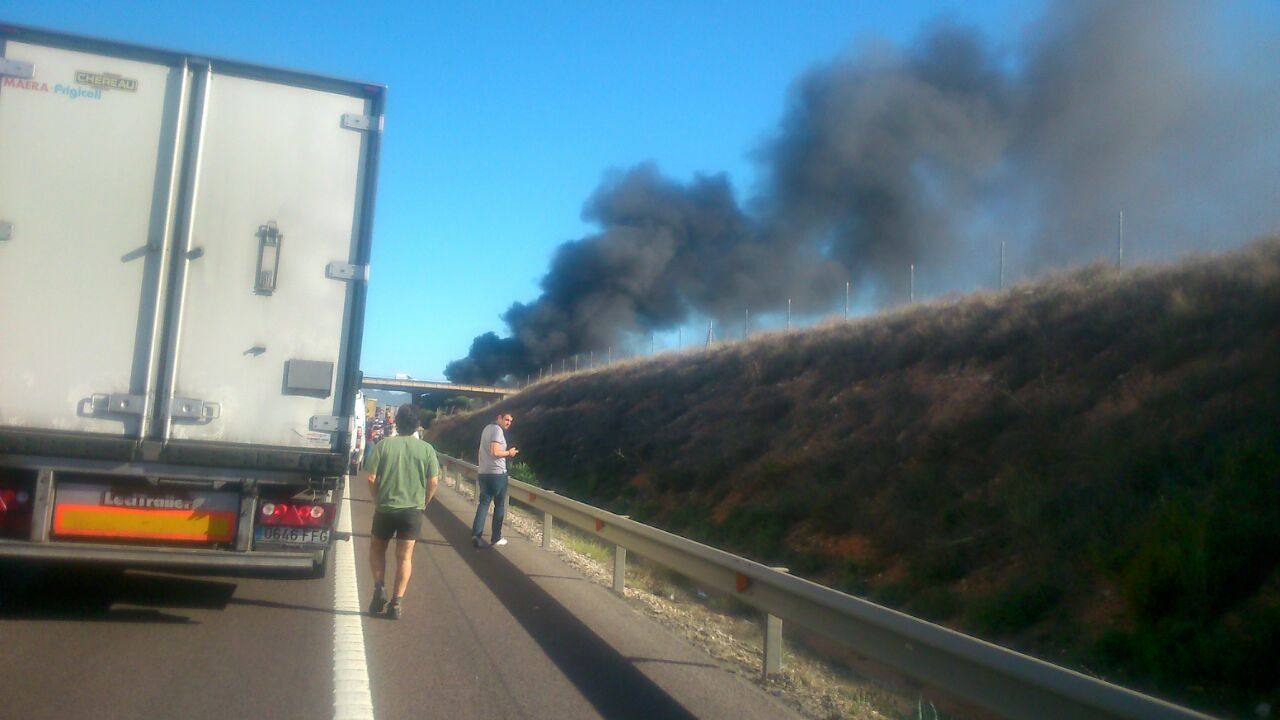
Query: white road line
{"x": 351, "y": 698}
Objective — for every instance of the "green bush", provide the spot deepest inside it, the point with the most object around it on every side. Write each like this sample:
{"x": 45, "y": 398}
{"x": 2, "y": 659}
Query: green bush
{"x": 1205, "y": 550}
{"x": 521, "y": 471}
{"x": 1014, "y": 608}
{"x": 935, "y": 604}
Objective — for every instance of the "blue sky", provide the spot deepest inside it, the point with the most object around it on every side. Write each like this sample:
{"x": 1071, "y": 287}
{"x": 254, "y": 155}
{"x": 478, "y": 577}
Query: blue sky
{"x": 503, "y": 117}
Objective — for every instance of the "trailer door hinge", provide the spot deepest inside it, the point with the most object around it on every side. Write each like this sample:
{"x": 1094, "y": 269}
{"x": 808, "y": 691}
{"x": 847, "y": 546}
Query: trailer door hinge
{"x": 116, "y": 403}
{"x": 352, "y": 121}
{"x": 328, "y": 423}
{"x": 6, "y": 230}
{"x": 191, "y": 409}
{"x": 346, "y": 271}
{"x": 20, "y": 69}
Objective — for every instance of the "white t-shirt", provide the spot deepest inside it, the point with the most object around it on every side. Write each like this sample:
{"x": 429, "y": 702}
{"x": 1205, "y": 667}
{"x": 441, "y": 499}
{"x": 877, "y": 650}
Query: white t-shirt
{"x": 490, "y": 465}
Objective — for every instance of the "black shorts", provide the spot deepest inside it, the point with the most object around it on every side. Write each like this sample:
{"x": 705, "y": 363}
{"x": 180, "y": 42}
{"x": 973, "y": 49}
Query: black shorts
{"x": 404, "y": 524}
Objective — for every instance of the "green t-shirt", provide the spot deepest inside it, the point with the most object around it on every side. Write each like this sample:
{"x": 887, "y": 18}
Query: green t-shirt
{"x": 402, "y": 466}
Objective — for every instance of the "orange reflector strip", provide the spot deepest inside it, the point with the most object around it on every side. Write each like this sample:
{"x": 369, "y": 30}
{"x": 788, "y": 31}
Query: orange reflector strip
{"x": 741, "y": 582}
{"x": 95, "y": 521}
{"x": 599, "y": 525}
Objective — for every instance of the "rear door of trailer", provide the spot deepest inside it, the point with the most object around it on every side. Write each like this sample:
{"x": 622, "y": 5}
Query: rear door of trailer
{"x": 183, "y": 244}
{"x": 86, "y": 205}
{"x": 263, "y": 318}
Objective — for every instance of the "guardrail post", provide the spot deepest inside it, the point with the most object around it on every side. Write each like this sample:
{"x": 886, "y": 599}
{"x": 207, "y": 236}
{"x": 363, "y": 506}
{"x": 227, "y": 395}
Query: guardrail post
{"x": 619, "y": 569}
{"x": 773, "y": 640}
{"x": 547, "y": 522}
{"x": 772, "y": 644}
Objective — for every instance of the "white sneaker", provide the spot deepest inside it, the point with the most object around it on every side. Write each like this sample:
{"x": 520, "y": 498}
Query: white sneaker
{"x": 500, "y": 542}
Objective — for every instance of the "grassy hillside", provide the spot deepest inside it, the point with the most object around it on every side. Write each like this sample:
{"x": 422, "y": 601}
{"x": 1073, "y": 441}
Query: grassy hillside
{"x": 1085, "y": 468}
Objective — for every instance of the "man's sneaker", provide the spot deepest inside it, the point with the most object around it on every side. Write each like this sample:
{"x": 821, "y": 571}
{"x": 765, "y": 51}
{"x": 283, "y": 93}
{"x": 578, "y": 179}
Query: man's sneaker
{"x": 379, "y": 600}
{"x": 500, "y": 542}
{"x": 393, "y": 610}
{"x": 478, "y": 542}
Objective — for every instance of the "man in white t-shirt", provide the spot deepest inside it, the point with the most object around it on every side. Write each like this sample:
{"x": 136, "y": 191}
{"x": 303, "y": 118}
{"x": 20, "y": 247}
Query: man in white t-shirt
{"x": 492, "y": 459}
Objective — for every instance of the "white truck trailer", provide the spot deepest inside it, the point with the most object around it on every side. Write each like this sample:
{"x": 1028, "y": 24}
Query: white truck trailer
{"x": 184, "y": 246}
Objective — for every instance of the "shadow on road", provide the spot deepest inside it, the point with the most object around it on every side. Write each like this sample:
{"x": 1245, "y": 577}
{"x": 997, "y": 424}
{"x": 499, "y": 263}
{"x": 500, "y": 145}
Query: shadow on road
{"x": 608, "y": 680}
{"x": 661, "y": 661}
{"x": 273, "y": 604}
{"x": 77, "y": 592}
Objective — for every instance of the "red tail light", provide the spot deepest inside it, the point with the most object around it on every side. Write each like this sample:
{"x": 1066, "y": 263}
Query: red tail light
{"x": 295, "y": 514}
{"x": 15, "y": 512}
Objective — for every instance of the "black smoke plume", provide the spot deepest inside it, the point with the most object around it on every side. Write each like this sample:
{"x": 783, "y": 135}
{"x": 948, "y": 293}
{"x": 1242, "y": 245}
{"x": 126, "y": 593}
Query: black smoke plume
{"x": 934, "y": 155}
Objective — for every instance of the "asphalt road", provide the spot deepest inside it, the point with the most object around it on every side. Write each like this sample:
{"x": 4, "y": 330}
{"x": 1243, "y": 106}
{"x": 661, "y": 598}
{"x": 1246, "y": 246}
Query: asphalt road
{"x": 501, "y": 633}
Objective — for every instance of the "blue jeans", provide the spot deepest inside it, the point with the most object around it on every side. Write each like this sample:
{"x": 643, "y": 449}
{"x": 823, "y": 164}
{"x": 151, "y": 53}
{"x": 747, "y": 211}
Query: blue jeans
{"x": 493, "y": 488}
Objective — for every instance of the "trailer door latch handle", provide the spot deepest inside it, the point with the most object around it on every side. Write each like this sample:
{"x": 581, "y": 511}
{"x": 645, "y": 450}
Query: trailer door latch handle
{"x": 269, "y": 240}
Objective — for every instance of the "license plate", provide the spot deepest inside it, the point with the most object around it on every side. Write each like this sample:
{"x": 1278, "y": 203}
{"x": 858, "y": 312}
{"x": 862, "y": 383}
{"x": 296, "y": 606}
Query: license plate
{"x": 279, "y": 535}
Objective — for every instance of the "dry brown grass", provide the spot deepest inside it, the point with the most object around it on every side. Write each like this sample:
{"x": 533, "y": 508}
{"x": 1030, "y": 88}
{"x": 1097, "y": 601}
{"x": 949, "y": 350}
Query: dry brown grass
{"x": 1086, "y": 468}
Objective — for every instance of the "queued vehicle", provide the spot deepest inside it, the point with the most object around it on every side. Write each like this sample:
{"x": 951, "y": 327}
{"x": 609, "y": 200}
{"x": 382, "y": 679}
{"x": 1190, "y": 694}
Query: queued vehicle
{"x": 185, "y": 243}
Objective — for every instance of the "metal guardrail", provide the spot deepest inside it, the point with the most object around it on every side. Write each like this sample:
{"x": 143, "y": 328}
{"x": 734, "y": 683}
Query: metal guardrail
{"x": 1006, "y": 682}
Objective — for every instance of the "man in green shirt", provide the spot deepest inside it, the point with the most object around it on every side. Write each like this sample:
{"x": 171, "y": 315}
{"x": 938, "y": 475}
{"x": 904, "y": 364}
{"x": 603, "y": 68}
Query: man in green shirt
{"x": 402, "y": 472}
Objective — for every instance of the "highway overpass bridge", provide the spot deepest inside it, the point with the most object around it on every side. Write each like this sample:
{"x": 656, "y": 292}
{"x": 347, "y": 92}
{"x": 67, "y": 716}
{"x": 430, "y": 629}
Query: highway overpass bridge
{"x": 417, "y": 388}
